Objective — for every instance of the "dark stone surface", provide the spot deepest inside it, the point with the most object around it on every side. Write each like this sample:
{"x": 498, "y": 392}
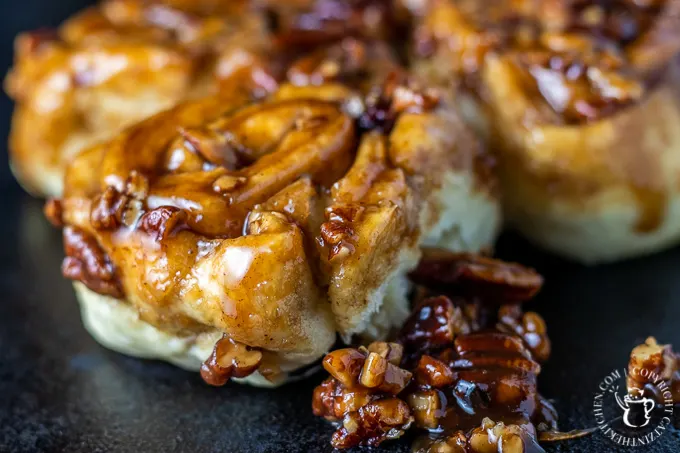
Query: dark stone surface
{"x": 60, "y": 391}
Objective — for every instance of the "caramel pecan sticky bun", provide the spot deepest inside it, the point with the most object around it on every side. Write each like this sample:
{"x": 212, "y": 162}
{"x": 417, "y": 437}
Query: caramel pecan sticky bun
{"x": 581, "y": 100}
{"x": 463, "y": 370}
{"x": 124, "y": 60}
{"x": 112, "y": 65}
{"x": 247, "y": 234}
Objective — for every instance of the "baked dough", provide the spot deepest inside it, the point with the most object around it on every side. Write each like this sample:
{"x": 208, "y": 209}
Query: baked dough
{"x": 581, "y": 102}
{"x": 115, "y": 64}
{"x": 280, "y": 222}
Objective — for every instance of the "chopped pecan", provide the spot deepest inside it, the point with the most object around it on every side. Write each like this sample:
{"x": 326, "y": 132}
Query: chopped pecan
{"x": 113, "y": 208}
{"x": 355, "y": 368}
{"x": 433, "y": 323}
{"x": 650, "y": 363}
{"x": 361, "y": 392}
{"x": 428, "y": 408}
{"x": 230, "y": 359}
{"x": 163, "y": 221}
{"x": 529, "y": 326}
{"x": 54, "y": 211}
{"x": 337, "y": 232}
{"x": 345, "y": 365}
{"x": 477, "y": 276}
{"x": 108, "y": 208}
{"x": 392, "y": 352}
{"x": 397, "y": 95}
{"x": 498, "y": 437}
{"x": 333, "y": 400}
{"x": 433, "y": 373}
{"x": 86, "y": 262}
{"x": 373, "y": 423}
{"x": 490, "y": 437}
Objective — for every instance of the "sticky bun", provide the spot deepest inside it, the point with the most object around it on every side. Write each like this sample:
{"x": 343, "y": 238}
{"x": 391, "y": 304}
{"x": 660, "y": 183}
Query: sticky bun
{"x": 241, "y": 236}
{"x": 112, "y": 65}
{"x": 122, "y": 61}
{"x": 581, "y": 102}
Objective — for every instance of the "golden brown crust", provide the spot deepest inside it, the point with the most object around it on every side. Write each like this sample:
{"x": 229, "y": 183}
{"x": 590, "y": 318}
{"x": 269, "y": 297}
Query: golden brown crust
{"x": 577, "y": 62}
{"x": 115, "y": 64}
{"x": 581, "y": 103}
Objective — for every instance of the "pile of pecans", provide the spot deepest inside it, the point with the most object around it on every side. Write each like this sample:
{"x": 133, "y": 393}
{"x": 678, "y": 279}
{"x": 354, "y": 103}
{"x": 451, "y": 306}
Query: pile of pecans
{"x": 463, "y": 369}
{"x": 579, "y": 61}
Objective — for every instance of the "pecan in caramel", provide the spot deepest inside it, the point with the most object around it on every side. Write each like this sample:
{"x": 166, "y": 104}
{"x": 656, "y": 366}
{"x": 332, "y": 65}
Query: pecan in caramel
{"x": 86, "y": 262}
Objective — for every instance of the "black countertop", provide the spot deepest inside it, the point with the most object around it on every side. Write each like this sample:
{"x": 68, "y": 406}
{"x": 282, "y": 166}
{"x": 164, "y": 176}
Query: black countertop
{"x": 61, "y": 391}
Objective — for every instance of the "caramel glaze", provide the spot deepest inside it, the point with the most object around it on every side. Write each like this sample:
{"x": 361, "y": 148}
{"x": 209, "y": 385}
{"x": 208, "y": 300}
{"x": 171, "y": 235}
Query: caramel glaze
{"x": 248, "y": 216}
{"x": 605, "y": 67}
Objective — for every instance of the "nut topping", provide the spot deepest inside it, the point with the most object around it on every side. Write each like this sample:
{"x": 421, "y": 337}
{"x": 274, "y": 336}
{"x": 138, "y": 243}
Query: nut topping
{"x": 433, "y": 323}
{"x": 465, "y": 368}
{"x": 354, "y": 368}
{"x": 650, "y": 363}
{"x": 163, "y": 221}
{"x": 575, "y": 61}
{"x": 86, "y": 262}
{"x": 465, "y": 274}
{"x": 54, "y": 212}
{"x": 230, "y": 359}
{"x": 373, "y": 423}
{"x": 529, "y": 326}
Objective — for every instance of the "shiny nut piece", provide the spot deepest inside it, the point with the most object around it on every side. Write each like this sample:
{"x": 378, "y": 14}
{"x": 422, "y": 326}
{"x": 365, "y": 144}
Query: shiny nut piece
{"x": 345, "y": 365}
{"x": 433, "y": 373}
{"x": 427, "y": 407}
{"x": 373, "y": 423}
{"x": 392, "y": 352}
{"x": 529, "y": 326}
{"x": 332, "y": 400}
{"x": 650, "y": 363}
{"x": 434, "y": 323}
{"x": 472, "y": 275}
{"x": 230, "y": 359}
{"x": 373, "y": 372}
{"x": 494, "y": 437}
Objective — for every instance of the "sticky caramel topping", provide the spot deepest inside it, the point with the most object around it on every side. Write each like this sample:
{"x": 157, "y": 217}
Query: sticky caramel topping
{"x": 579, "y": 61}
{"x": 249, "y": 216}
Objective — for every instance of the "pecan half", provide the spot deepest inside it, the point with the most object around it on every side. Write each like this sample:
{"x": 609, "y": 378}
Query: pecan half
{"x": 476, "y": 276}
{"x": 86, "y": 262}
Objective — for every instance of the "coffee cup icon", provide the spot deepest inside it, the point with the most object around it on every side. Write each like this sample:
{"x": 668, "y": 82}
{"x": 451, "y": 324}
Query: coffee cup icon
{"x": 637, "y": 410}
